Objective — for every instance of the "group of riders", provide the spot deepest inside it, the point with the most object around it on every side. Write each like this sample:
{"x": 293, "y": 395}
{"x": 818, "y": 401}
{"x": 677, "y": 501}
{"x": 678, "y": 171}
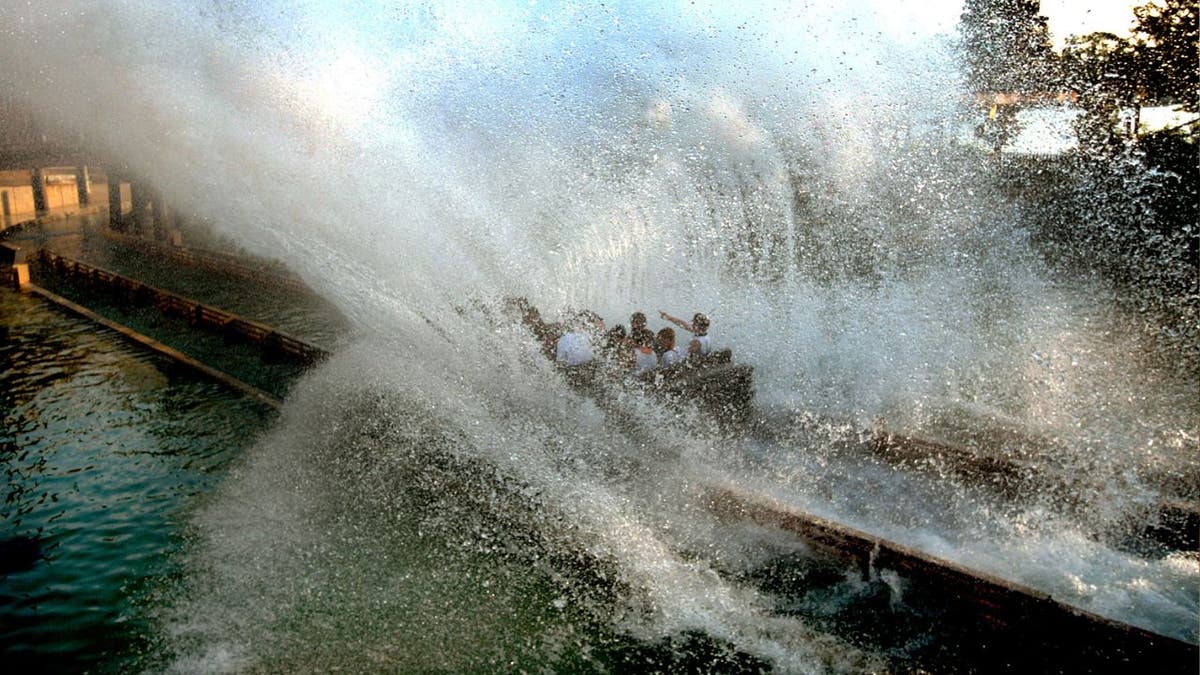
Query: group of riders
{"x": 584, "y": 340}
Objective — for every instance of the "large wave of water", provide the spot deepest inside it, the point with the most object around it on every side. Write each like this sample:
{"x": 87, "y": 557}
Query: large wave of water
{"x": 785, "y": 169}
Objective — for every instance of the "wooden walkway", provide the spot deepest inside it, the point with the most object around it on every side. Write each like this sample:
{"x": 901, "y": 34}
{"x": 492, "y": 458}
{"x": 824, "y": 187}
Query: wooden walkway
{"x": 275, "y": 344}
{"x": 209, "y": 260}
{"x": 272, "y": 343}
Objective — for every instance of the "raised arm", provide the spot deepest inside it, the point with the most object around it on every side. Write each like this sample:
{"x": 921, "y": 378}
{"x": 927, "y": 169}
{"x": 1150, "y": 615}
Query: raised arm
{"x": 677, "y": 321}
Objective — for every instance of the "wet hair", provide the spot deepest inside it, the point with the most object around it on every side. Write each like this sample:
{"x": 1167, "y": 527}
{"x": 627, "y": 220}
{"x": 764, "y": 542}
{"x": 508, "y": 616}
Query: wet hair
{"x": 589, "y": 318}
{"x": 700, "y": 322}
{"x": 552, "y": 331}
{"x": 637, "y": 319}
{"x": 667, "y": 334}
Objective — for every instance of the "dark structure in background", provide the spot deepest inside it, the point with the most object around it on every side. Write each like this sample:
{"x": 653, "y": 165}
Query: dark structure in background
{"x": 1141, "y": 234}
{"x": 48, "y": 174}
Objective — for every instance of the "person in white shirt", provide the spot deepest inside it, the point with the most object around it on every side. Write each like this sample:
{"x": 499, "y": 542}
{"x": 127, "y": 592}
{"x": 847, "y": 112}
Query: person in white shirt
{"x": 574, "y": 348}
{"x": 668, "y": 355}
{"x": 644, "y": 358}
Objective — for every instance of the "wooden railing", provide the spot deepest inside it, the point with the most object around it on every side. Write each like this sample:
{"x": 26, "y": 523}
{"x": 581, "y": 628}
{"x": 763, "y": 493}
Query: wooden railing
{"x": 274, "y": 343}
{"x": 981, "y": 604}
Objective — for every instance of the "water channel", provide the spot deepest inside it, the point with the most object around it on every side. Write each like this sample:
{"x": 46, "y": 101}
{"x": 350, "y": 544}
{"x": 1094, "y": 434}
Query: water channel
{"x": 434, "y": 496}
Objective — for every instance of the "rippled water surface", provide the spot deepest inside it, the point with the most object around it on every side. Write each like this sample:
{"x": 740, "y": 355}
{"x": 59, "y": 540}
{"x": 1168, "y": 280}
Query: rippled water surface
{"x": 105, "y": 448}
{"x": 434, "y": 496}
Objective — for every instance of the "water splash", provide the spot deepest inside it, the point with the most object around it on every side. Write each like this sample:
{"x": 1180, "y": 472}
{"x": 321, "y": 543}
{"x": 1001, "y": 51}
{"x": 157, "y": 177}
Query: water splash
{"x": 786, "y": 169}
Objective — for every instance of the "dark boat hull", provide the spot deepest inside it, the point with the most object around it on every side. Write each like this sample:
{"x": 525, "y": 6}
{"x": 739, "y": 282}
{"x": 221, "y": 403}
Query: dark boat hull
{"x": 721, "y": 387}
{"x": 714, "y": 383}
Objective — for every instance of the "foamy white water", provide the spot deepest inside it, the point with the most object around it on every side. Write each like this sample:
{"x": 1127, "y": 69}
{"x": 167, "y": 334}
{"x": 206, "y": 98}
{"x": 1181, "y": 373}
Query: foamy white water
{"x": 786, "y": 169}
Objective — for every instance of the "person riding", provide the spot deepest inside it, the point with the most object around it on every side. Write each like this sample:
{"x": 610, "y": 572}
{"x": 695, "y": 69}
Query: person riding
{"x": 701, "y": 343}
{"x": 644, "y": 357}
{"x": 638, "y": 331}
{"x": 546, "y": 334}
{"x": 668, "y": 355}
{"x": 574, "y": 348}
{"x": 617, "y": 349}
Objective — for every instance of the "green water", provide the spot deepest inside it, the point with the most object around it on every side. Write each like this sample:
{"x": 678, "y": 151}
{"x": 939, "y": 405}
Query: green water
{"x": 137, "y": 534}
{"x": 105, "y": 448}
{"x": 111, "y": 452}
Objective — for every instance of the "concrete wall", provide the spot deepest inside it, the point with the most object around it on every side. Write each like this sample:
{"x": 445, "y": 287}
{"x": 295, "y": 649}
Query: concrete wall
{"x": 61, "y": 192}
{"x": 16, "y": 195}
{"x": 60, "y": 185}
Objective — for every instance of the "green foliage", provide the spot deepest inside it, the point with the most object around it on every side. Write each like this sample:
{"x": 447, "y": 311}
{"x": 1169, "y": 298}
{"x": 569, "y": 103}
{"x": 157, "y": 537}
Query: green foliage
{"x": 1157, "y": 65}
{"x": 1101, "y": 65}
{"x": 1006, "y": 46}
{"x": 1102, "y": 70}
{"x": 1132, "y": 212}
{"x": 1164, "y": 47}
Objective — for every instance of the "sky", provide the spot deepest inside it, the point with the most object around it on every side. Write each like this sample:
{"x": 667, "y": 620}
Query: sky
{"x": 1066, "y": 17}
{"x": 1081, "y": 17}
{"x": 347, "y": 80}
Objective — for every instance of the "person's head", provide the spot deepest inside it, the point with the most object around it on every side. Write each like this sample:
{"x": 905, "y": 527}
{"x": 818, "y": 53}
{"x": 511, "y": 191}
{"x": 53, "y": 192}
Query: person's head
{"x": 666, "y": 339}
{"x": 532, "y": 317}
{"x": 637, "y": 320}
{"x": 700, "y": 323}
{"x": 592, "y": 320}
{"x": 616, "y": 335}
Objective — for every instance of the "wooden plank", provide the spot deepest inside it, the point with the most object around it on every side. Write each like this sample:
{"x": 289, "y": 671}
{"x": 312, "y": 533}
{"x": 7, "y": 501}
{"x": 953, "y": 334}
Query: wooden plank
{"x": 210, "y": 317}
{"x": 209, "y": 260}
{"x": 1007, "y": 473}
{"x": 1021, "y": 612}
{"x": 251, "y": 331}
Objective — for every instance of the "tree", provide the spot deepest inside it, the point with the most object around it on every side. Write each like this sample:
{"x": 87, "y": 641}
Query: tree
{"x": 1116, "y": 77}
{"x": 1136, "y": 203}
{"x": 1102, "y": 69}
{"x": 1006, "y": 46}
{"x": 1165, "y": 42}
{"x": 1101, "y": 61}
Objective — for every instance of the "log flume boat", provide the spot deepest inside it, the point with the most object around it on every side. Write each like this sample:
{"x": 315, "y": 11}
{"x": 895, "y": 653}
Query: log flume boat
{"x": 713, "y": 382}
